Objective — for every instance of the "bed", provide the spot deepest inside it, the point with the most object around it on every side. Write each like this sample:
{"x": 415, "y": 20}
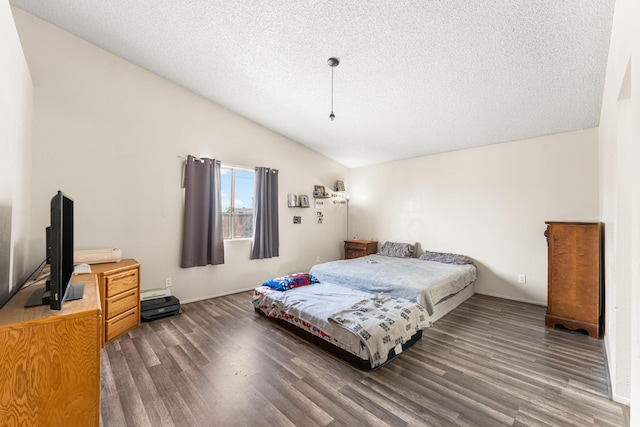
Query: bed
{"x": 438, "y": 286}
{"x": 365, "y": 329}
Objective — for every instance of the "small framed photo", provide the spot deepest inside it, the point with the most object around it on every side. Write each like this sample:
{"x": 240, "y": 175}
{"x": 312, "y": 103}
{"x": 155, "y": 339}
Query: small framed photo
{"x": 339, "y": 185}
{"x": 319, "y": 204}
{"x": 304, "y": 200}
{"x": 318, "y": 191}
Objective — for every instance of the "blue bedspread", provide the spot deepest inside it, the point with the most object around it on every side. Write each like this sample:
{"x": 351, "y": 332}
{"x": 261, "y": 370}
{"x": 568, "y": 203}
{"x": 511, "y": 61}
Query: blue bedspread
{"x": 426, "y": 282}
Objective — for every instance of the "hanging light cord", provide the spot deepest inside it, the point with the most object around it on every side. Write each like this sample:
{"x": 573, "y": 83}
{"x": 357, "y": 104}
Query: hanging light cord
{"x": 333, "y": 62}
{"x": 332, "y": 116}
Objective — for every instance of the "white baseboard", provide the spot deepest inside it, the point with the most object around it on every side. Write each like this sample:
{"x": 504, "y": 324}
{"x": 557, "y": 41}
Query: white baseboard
{"x": 237, "y": 291}
{"x": 621, "y": 399}
{"x": 512, "y": 299}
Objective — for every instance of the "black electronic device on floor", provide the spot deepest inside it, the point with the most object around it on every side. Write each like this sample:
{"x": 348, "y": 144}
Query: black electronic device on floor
{"x": 158, "y": 308}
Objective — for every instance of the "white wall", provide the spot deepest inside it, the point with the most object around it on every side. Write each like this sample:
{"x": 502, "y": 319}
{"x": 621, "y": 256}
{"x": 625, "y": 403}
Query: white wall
{"x": 490, "y": 203}
{"x": 109, "y": 134}
{"x": 16, "y": 103}
{"x": 619, "y": 135}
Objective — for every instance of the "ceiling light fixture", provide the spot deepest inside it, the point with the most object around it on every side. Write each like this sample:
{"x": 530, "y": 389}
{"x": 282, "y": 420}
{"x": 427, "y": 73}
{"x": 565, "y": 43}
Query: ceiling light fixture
{"x": 333, "y": 62}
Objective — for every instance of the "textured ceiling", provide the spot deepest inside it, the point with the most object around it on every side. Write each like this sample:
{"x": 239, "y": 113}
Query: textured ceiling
{"x": 415, "y": 77}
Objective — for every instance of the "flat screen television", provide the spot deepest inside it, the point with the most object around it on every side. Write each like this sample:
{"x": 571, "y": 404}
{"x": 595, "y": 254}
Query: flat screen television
{"x": 60, "y": 254}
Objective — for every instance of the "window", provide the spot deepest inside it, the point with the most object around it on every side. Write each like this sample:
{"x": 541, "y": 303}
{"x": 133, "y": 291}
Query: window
{"x": 237, "y": 202}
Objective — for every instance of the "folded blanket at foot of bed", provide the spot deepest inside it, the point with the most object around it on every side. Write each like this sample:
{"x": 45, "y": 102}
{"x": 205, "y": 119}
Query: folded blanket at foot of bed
{"x": 383, "y": 323}
{"x": 344, "y": 317}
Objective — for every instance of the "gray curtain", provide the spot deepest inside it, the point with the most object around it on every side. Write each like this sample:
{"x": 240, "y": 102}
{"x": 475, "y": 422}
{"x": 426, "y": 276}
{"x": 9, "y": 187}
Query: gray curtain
{"x": 202, "y": 241}
{"x": 266, "y": 241}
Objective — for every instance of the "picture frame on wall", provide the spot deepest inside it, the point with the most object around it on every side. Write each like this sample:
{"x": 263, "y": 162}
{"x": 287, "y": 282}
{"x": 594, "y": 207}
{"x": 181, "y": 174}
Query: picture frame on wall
{"x": 339, "y": 185}
{"x": 318, "y": 191}
{"x": 304, "y": 200}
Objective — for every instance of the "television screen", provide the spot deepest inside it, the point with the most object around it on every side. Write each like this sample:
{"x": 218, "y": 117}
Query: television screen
{"x": 61, "y": 248}
{"x": 60, "y": 257}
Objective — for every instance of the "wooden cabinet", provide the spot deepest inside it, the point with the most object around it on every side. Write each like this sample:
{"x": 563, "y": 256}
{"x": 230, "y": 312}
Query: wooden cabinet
{"x": 359, "y": 248}
{"x": 119, "y": 284}
{"x": 50, "y": 361}
{"x": 575, "y": 291}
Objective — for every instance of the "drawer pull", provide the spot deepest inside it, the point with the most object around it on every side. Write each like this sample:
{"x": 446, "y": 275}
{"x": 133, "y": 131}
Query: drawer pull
{"x": 124, "y": 295}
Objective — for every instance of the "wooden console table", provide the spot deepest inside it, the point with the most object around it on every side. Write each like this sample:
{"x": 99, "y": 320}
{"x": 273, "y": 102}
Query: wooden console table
{"x": 50, "y": 362}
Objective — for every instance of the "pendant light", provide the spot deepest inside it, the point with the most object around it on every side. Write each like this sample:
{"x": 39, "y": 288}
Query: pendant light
{"x": 333, "y": 62}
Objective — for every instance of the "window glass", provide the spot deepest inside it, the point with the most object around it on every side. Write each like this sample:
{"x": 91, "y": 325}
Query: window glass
{"x": 237, "y": 203}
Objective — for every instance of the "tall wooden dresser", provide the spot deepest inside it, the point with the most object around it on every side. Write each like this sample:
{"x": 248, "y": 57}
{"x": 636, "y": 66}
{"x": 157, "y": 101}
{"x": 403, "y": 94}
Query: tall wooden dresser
{"x": 575, "y": 289}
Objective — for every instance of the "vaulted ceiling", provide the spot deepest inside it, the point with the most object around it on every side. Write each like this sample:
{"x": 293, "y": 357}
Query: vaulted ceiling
{"x": 416, "y": 77}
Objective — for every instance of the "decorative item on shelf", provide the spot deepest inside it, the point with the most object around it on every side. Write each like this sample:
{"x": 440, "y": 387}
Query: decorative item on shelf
{"x": 304, "y": 200}
{"x": 292, "y": 200}
{"x": 319, "y": 191}
{"x": 333, "y": 62}
{"x": 339, "y": 185}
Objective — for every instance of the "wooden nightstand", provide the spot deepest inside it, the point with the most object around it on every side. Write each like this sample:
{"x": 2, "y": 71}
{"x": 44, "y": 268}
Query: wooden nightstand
{"x": 359, "y": 248}
{"x": 119, "y": 284}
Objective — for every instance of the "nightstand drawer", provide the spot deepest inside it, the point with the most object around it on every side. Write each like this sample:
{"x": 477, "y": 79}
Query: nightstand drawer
{"x": 121, "y": 303}
{"x": 359, "y": 248}
{"x": 353, "y": 253}
{"x": 121, "y": 282}
{"x": 122, "y": 323}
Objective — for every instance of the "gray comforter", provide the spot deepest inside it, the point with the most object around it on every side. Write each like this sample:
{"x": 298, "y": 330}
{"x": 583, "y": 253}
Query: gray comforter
{"x": 427, "y": 282}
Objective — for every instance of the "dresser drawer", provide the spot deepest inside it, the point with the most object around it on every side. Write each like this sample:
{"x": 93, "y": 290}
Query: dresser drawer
{"x": 118, "y": 283}
{"x": 120, "y": 324}
{"x": 359, "y": 248}
{"x": 356, "y": 246}
{"x": 121, "y": 303}
{"x": 353, "y": 253}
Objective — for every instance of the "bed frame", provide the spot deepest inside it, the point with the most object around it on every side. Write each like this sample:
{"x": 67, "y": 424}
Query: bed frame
{"x": 363, "y": 365}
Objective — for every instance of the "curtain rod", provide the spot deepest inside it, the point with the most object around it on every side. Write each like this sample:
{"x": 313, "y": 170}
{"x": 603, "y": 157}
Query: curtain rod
{"x": 221, "y": 163}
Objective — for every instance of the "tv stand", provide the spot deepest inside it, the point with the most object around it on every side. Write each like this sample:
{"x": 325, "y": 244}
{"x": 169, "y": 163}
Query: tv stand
{"x": 42, "y": 296}
{"x": 75, "y": 291}
{"x": 50, "y": 360}
{"x": 38, "y": 297}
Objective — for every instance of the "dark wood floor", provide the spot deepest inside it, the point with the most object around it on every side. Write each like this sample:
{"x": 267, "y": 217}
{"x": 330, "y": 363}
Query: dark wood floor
{"x": 491, "y": 362}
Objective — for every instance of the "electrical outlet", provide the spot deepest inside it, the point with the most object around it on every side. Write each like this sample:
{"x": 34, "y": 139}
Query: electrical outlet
{"x": 167, "y": 282}
{"x": 522, "y": 278}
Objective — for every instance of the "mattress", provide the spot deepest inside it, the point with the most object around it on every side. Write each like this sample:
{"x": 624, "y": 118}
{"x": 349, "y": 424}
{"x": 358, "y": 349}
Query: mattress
{"x": 339, "y": 316}
{"x": 426, "y": 282}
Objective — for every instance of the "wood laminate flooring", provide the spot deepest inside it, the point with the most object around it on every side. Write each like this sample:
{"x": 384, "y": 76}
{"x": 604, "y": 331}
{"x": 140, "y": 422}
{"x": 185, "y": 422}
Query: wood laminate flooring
{"x": 490, "y": 362}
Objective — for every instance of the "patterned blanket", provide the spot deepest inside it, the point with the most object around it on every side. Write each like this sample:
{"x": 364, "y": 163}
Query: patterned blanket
{"x": 378, "y": 319}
